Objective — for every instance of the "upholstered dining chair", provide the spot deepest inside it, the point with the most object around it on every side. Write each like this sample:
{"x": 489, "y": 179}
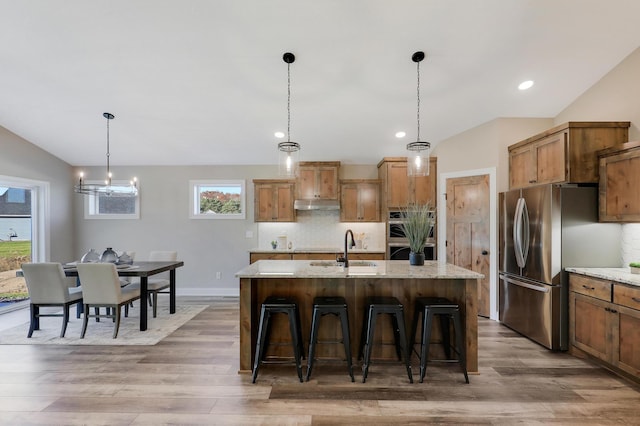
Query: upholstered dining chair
{"x": 48, "y": 286}
{"x": 101, "y": 288}
{"x": 158, "y": 285}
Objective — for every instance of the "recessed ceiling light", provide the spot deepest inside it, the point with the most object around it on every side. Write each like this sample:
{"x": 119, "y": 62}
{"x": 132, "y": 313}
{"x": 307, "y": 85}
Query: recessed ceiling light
{"x": 400, "y": 135}
{"x": 525, "y": 85}
{"x": 279, "y": 135}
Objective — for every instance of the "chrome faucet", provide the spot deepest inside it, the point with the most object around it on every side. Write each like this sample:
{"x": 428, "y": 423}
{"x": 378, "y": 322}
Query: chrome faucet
{"x": 346, "y": 247}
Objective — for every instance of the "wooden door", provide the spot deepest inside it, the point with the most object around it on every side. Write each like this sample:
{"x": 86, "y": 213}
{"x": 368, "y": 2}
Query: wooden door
{"x": 468, "y": 230}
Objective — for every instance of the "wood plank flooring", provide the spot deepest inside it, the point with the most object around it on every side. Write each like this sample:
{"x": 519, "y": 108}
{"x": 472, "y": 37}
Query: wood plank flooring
{"x": 191, "y": 377}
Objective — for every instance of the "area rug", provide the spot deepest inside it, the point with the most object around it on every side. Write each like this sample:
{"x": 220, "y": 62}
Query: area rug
{"x": 101, "y": 333}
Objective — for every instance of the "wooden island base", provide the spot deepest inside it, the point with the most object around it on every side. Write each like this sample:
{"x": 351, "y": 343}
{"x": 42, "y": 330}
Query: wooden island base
{"x": 253, "y": 290}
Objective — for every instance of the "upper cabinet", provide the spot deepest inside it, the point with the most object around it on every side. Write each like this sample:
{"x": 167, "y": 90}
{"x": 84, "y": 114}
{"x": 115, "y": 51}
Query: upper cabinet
{"x": 273, "y": 200}
{"x": 359, "y": 200}
{"x": 318, "y": 180}
{"x": 620, "y": 184}
{"x": 566, "y": 153}
{"x": 398, "y": 189}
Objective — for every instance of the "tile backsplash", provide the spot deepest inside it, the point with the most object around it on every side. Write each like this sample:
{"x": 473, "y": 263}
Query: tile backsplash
{"x": 320, "y": 229}
{"x": 630, "y": 244}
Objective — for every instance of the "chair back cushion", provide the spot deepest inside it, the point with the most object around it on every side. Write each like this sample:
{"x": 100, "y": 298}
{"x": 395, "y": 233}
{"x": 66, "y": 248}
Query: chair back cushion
{"x": 100, "y": 283}
{"x": 46, "y": 282}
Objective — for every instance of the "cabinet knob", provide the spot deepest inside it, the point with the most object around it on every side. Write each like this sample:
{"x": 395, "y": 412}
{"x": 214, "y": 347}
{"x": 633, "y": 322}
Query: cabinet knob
{"x": 484, "y": 252}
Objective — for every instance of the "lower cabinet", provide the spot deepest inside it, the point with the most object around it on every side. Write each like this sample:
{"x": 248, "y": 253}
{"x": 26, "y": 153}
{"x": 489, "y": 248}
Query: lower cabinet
{"x": 606, "y": 325}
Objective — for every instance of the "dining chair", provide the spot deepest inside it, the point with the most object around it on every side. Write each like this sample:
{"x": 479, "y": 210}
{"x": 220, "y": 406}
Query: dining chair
{"x": 101, "y": 288}
{"x": 48, "y": 286}
{"x": 158, "y": 285}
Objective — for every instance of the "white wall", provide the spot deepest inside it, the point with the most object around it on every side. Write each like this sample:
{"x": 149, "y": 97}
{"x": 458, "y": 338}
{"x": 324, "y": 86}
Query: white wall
{"x": 21, "y": 159}
{"x": 205, "y": 246}
{"x": 614, "y": 98}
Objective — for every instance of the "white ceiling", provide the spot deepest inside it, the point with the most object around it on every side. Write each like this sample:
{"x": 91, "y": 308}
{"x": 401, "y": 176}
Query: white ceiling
{"x": 203, "y": 81}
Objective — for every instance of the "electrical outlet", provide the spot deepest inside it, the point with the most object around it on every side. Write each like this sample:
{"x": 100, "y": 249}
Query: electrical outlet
{"x": 218, "y": 275}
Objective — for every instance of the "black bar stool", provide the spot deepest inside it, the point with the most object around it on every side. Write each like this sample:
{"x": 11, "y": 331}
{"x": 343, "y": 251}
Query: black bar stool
{"x": 324, "y": 306}
{"x": 375, "y": 306}
{"x": 445, "y": 310}
{"x": 273, "y": 305}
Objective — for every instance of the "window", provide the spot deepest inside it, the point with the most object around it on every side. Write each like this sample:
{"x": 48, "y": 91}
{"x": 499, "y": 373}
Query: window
{"x": 217, "y": 199}
{"x": 110, "y": 207}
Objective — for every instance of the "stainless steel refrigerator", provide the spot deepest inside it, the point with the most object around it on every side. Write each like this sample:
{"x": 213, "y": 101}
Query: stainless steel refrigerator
{"x": 544, "y": 229}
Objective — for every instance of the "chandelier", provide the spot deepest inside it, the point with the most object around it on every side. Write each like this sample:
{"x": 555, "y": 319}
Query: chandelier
{"x": 107, "y": 188}
{"x": 288, "y": 151}
{"x": 418, "y": 151}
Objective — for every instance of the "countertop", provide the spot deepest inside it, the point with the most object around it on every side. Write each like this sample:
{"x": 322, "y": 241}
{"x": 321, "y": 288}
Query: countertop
{"x": 316, "y": 250}
{"x": 380, "y": 269}
{"x": 621, "y": 275}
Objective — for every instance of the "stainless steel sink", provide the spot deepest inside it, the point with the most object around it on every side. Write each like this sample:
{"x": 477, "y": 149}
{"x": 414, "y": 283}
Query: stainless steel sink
{"x": 328, "y": 263}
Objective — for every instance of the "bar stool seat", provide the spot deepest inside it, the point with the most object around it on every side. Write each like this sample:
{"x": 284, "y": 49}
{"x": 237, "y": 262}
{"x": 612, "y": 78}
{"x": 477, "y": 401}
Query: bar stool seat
{"x": 375, "y": 306}
{"x": 332, "y": 305}
{"x": 273, "y": 305}
{"x": 446, "y": 310}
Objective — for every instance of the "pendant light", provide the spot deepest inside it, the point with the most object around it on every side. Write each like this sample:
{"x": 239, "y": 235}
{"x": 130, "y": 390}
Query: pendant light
{"x": 288, "y": 151}
{"x": 107, "y": 188}
{"x": 418, "y": 151}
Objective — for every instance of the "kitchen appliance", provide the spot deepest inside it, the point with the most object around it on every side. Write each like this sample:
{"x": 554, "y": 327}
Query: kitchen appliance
{"x": 397, "y": 242}
{"x": 544, "y": 229}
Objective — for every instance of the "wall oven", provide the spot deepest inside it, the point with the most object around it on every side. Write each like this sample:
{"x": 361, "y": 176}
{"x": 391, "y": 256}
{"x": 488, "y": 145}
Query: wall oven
{"x": 397, "y": 243}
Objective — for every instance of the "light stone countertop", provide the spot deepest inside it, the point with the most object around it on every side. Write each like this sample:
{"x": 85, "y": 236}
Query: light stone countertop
{"x": 316, "y": 250}
{"x": 621, "y": 275}
{"x": 378, "y": 269}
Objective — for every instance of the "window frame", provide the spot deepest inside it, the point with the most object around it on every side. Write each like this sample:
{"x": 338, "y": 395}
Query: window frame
{"x": 194, "y": 198}
{"x": 91, "y": 204}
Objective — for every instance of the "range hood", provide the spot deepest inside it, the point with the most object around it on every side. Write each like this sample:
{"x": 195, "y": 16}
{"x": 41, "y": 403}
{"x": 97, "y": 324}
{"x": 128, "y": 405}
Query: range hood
{"x": 315, "y": 204}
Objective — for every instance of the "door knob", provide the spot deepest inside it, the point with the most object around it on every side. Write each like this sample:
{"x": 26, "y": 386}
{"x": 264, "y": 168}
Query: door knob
{"x": 484, "y": 252}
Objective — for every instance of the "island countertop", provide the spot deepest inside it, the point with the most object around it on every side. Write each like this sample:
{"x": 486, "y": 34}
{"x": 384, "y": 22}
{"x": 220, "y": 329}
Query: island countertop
{"x": 358, "y": 269}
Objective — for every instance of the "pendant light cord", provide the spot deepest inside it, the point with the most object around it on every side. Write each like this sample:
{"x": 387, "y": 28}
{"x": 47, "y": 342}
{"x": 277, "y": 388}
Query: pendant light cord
{"x": 288, "y": 102}
{"x": 108, "y": 155}
{"x": 418, "y": 91}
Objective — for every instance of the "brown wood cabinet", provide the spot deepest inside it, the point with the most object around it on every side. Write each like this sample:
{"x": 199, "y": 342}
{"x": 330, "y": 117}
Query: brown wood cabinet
{"x": 318, "y": 180}
{"x": 620, "y": 184}
{"x": 360, "y": 200}
{"x": 604, "y": 322}
{"x": 398, "y": 189}
{"x": 566, "y": 153}
{"x": 273, "y": 200}
{"x": 255, "y": 256}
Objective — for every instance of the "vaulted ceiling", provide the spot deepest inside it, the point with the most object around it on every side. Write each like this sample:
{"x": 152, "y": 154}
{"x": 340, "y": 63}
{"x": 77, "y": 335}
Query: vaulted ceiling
{"x": 203, "y": 81}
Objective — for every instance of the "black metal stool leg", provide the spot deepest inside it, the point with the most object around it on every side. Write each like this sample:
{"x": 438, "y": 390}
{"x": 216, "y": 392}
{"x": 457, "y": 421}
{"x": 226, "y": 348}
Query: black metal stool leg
{"x": 368, "y": 343}
{"x": 426, "y": 338}
{"x": 462, "y": 358}
{"x": 346, "y": 340}
{"x": 396, "y": 336}
{"x": 446, "y": 334}
{"x": 402, "y": 334}
{"x": 262, "y": 335}
{"x": 312, "y": 342}
{"x": 295, "y": 341}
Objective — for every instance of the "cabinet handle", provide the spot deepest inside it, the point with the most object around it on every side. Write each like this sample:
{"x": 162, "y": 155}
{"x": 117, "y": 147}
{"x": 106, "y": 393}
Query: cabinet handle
{"x": 635, "y": 299}
{"x": 613, "y": 311}
{"x": 532, "y": 181}
{"x": 588, "y": 288}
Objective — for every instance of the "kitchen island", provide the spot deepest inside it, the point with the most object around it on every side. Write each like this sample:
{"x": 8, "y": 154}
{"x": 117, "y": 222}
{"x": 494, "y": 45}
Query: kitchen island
{"x": 303, "y": 280}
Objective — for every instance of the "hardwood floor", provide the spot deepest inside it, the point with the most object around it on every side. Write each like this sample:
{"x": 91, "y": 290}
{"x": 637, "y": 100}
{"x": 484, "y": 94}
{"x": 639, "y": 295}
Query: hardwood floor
{"x": 191, "y": 378}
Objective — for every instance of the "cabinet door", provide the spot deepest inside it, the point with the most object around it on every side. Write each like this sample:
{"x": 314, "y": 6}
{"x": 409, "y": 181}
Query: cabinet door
{"x": 591, "y": 328}
{"x": 369, "y": 202}
{"x": 349, "y": 203}
{"x": 264, "y": 209}
{"x": 626, "y": 337}
{"x": 284, "y": 203}
{"x": 397, "y": 185}
{"x": 620, "y": 188}
{"x": 306, "y": 182}
{"x": 327, "y": 182}
{"x": 550, "y": 155}
{"x": 521, "y": 167}
{"x": 424, "y": 187}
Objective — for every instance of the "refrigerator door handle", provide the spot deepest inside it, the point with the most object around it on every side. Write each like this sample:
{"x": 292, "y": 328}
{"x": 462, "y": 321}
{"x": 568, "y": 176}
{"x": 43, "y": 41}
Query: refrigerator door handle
{"x": 540, "y": 288}
{"x": 517, "y": 233}
{"x": 525, "y": 226}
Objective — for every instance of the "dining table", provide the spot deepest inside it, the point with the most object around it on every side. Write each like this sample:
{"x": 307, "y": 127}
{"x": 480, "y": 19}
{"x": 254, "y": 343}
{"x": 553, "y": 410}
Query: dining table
{"x": 143, "y": 270}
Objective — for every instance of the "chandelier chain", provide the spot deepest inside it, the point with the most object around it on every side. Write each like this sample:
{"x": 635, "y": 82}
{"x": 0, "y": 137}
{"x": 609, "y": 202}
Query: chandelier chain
{"x": 108, "y": 153}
